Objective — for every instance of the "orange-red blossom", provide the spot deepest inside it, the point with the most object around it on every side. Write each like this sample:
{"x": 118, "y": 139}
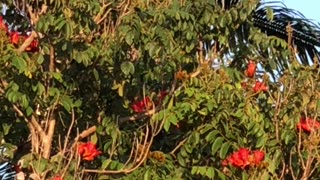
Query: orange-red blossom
{"x": 308, "y": 124}
{"x": 244, "y": 158}
{"x": 15, "y": 37}
{"x": 251, "y": 69}
{"x": 260, "y": 87}
{"x": 143, "y": 105}
{"x": 88, "y": 151}
{"x": 3, "y": 25}
{"x": 57, "y": 178}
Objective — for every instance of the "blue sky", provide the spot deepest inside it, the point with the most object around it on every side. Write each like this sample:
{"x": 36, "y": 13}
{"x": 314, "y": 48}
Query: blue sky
{"x": 309, "y": 8}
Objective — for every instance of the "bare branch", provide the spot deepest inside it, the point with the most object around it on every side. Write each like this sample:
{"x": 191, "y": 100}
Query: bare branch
{"x": 27, "y": 42}
{"x": 85, "y": 133}
{"x": 69, "y": 131}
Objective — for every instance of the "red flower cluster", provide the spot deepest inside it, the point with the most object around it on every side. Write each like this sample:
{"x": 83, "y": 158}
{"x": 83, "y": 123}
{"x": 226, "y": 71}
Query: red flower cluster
{"x": 15, "y": 37}
{"x": 251, "y": 69}
{"x": 244, "y": 158}
{"x": 308, "y": 125}
{"x": 260, "y": 87}
{"x": 3, "y": 25}
{"x": 88, "y": 151}
{"x": 141, "y": 106}
{"x": 57, "y": 178}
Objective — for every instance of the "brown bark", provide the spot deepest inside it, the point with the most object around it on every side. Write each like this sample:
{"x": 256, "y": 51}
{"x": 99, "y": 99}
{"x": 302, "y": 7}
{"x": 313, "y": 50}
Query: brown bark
{"x": 47, "y": 140}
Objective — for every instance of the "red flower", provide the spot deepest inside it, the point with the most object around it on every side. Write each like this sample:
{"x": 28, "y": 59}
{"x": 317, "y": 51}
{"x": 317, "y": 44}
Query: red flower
{"x": 88, "y": 151}
{"x": 162, "y": 95}
{"x": 244, "y": 85}
{"x": 244, "y": 158}
{"x": 239, "y": 158}
{"x": 14, "y": 38}
{"x": 33, "y": 47}
{"x": 251, "y": 69}
{"x": 258, "y": 157}
{"x": 3, "y": 25}
{"x": 307, "y": 124}
{"x": 225, "y": 162}
{"x": 260, "y": 86}
{"x": 142, "y": 105}
{"x": 57, "y": 178}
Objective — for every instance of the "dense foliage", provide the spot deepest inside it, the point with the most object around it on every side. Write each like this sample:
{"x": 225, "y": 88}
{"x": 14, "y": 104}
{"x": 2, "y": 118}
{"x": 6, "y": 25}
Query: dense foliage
{"x": 159, "y": 90}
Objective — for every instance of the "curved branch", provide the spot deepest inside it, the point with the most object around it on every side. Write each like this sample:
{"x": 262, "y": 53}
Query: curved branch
{"x": 27, "y": 42}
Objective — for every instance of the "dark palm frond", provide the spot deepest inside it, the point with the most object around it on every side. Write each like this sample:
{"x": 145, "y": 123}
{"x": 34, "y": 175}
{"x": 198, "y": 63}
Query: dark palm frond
{"x": 305, "y": 33}
{"x": 7, "y": 171}
{"x": 227, "y": 4}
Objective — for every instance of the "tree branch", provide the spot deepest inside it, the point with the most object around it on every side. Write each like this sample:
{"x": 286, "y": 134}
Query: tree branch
{"x": 85, "y": 133}
{"x": 47, "y": 140}
{"x": 27, "y": 42}
{"x": 98, "y": 19}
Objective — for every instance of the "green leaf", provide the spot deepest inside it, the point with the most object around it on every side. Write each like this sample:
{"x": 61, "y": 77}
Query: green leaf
{"x": 129, "y": 37}
{"x": 210, "y": 172}
{"x": 94, "y": 138}
{"x": 68, "y": 29}
{"x": 216, "y": 145}
{"x": 183, "y": 151}
{"x": 66, "y": 102}
{"x": 127, "y": 68}
{"x": 29, "y": 111}
{"x": 177, "y": 15}
{"x": 19, "y": 63}
{"x": 24, "y": 101}
{"x": 269, "y": 13}
{"x": 54, "y": 91}
{"x": 305, "y": 98}
{"x": 57, "y": 76}
{"x": 189, "y": 36}
{"x": 221, "y": 175}
{"x": 243, "y": 15}
{"x": 77, "y": 103}
{"x": 234, "y": 14}
{"x": 245, "y": 175}
{"x": 210, "y": 105}
{"x": 181, "y": 160}
{"x": 194, "y": 170}
{"x": 106, "y": 163}
{"x": 261, "y": 142}
{"x": 170, "y": 104}
{"x": 167, "y": 124}
{"x": 146, "y": 175}
{"x": 41, "y": 165}
{"x": 9, "y": 150}
{"x": 224, "y": 149}
{"x": 103, "y": 177}
{"x": 113, "y": 165}
{"x": 60, "y": 22}
{"x": 190, "y": 47}
{"x": 6, "y": 128}
{"x": 206, "y": 128}
{"x": 211, "y": 135}
{"x": 194, "y": 139}
{"x": 96, "y": 75}
{"x": 40, "y": 59}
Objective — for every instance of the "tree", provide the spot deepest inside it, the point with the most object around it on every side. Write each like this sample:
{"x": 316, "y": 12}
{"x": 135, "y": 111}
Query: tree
{"x": 125, "y": 89}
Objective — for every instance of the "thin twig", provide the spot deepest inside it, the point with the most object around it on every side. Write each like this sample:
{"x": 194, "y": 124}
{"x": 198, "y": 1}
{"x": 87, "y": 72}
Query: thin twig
{"x": 178, "y": 146}
{"x": 66, "y": 140}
